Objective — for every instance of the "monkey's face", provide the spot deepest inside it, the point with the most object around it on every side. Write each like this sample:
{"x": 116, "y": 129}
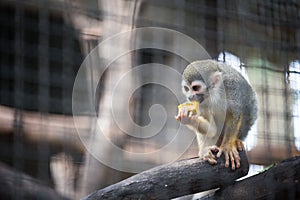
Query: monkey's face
{"x": 196, "y": 91}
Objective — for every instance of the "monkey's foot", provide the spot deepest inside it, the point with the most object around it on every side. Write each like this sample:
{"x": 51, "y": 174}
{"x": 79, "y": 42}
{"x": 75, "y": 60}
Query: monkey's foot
{"x": 230, "y": 151}
{"x": 209, "y": 156}
{"x": 231, "y": 154}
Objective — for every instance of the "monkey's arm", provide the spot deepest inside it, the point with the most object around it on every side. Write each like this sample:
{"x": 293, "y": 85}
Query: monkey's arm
{"x": 205, "y": 130}
{"x": 199, "y": 124}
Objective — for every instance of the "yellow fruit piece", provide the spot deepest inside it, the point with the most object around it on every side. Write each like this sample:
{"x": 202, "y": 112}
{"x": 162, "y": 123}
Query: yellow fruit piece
{"x": 192, "y": 106}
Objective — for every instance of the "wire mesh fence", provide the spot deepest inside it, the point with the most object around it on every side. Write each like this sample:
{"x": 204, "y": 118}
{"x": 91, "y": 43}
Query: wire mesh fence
{"x": 44, "y": 44}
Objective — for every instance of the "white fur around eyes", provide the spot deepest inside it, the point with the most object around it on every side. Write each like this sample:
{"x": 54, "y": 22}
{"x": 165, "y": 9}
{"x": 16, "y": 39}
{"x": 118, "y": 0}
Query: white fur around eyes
{"x": 198, "y": 82}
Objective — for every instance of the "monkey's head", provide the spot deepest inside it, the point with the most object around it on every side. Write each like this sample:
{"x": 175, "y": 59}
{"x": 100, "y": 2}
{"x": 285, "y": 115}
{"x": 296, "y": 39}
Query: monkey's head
{"x": 199, "y": 79}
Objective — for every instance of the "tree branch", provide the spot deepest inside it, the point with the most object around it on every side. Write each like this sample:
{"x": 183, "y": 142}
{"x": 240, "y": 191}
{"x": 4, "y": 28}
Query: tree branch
{"x": 282, "y": 181}
{"x": 174, "y": 180}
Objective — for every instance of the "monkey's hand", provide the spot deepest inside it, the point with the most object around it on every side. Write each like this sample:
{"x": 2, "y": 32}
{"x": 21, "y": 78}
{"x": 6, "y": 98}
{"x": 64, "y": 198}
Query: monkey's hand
{"x": 186, "y": 117}
{"x": 230, "y": 150}
{"x": 195, "y": 122}
{"x": 209, "y": 156}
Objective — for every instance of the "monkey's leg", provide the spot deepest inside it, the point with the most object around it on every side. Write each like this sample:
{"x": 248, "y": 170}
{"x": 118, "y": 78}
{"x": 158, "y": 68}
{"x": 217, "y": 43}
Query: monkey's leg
{"x": 231, "y": 143}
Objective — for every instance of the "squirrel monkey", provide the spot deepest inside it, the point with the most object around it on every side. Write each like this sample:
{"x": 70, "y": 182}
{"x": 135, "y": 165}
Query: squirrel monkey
{"x": 227, "y": 109}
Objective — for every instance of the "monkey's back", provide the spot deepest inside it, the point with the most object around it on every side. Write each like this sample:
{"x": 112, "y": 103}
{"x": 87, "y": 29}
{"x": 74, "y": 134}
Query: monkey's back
{"x": 241, "y": 98}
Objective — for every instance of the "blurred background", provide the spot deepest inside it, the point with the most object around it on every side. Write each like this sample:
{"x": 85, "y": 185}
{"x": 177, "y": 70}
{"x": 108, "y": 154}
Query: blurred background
{"x": 44, "y": 42}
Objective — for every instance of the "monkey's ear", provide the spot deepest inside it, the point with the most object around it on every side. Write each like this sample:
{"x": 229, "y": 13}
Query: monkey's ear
{"x": 215, "y": 79}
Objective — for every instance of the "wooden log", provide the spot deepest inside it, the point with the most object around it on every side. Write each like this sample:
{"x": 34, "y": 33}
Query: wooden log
{"x": 174, "y": 180}
{"x": 282, "y": 181}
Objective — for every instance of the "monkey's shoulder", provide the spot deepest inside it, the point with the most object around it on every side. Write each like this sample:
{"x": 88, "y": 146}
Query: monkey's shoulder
{"x": 233, "y": 78}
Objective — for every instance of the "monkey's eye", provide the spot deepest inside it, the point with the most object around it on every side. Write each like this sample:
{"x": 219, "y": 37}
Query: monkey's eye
{"x": 186, "y": 88}
{"x": 196, "y": 87}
